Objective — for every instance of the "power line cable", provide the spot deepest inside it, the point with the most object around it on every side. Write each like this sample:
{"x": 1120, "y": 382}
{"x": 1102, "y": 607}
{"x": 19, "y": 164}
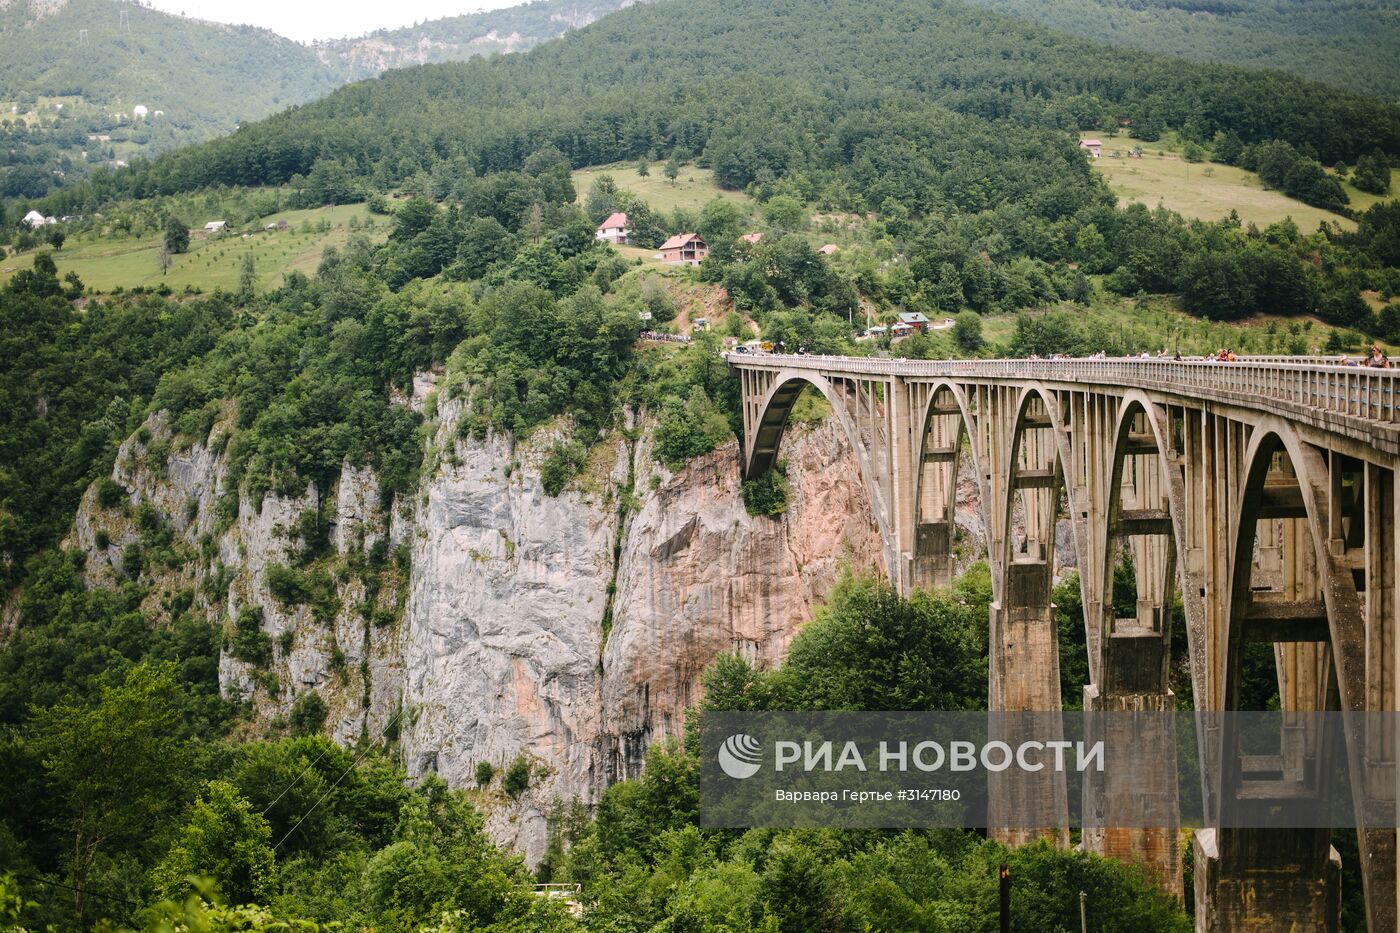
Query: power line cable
{"x": 297, "y": 781}
{"x": 83, "y": 891}
{"x": 354, "y": 761}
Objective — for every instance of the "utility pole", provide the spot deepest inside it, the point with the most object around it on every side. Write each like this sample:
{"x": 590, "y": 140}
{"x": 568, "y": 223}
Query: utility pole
{"x": 1005, "y": 879}
{"x": 1083, "y": 912}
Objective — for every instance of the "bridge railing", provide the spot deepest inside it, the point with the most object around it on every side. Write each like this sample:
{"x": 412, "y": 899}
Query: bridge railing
{"x": 1310, "y": 382}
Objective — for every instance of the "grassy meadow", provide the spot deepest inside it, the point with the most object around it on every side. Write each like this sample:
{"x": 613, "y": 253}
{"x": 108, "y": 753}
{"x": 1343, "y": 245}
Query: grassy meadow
{"x": 105, "y": 263}
{"x": 693, "y": 188}
{"x": 1362, "y": 200}
{"x": 1204, "y": 190}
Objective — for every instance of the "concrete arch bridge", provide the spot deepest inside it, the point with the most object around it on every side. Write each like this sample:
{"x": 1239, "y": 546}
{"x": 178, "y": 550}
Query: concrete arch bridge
{"x": 1263, "y": 492}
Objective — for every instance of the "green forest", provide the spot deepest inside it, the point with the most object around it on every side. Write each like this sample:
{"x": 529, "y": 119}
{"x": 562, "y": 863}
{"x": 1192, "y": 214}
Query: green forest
{"x": 204, "y": 76}
{"x": 155, "y": 820}
{"x": 1344, "y": 44}
{"x": 141, "y": 798}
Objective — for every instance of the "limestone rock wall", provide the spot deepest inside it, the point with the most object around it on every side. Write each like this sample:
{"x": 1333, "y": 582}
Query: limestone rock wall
{"x": 571, "y": 630}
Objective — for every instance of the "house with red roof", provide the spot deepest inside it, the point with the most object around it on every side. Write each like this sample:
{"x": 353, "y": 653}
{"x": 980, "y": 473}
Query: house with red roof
{"x": 1093, "y": 146}
{"x": 684, "y": 249}
{"x": 751, "y": 237}
{"x": 829, "y": 249}
{"x": 614, "y": 229}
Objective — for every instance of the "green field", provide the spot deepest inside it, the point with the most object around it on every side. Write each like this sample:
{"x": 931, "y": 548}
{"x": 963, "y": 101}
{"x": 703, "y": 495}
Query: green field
{"x": 692, "y": 190}
{"x": 106, "y": 263}
{"x": 1156, "y": 323}
{"x": 1362, "y": 200}
{"x": 1204, "y": 190}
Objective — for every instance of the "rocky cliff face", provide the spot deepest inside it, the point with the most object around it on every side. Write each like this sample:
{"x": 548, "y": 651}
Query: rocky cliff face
{"x": 481, "y": 619}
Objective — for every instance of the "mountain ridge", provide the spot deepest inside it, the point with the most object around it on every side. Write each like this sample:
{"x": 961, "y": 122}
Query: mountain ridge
{"x": 97, "y": 60}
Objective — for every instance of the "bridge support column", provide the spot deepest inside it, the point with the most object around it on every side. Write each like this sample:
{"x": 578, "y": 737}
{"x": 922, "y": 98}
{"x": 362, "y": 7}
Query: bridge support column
{"x": 1135, "y": 669}
{"x": 1280, "y": 879}
{"x": 1116, "y": 804}
{"x": 1025, "y": 677}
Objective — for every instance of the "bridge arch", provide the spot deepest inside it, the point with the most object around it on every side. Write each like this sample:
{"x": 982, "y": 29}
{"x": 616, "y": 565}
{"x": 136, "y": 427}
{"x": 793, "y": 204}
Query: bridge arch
{"x": 761, "y": 446}
{"x": 1330, "y": 436}
{"x": 1310, "y": 600}
{"x": 1308, "y": 609}
{"x": 945, "y": 422}
{"x": 1143, "y": 518}
{"x": 1035, "y": 468}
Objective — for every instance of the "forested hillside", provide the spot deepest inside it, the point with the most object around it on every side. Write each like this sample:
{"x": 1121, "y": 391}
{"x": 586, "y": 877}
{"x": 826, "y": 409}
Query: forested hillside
{"x": 72, "y": 72}
{"x": 779, "y": 89}
{"x": 1350, "y": 44}
{"x": 72, "y": 75}
{"x": 257, "y": 473}
{"x": 204, "y": 76}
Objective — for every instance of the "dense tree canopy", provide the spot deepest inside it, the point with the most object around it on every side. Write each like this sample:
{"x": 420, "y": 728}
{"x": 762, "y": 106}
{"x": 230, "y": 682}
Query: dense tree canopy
{"x": 804, "y": 72}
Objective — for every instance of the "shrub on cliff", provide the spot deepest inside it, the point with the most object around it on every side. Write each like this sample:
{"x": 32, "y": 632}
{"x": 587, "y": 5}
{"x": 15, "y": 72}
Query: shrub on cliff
{"x": 517, "y": 779}
{"x": 308, "y": 714}
{"x": 767, "y": 495}
{"x": 250, "y": 643}
{"x": 564, "y": 461}
{"x": 688, "y": 428}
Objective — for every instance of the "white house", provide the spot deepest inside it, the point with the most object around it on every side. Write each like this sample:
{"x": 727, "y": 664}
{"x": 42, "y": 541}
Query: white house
{"x": 139, "y": 111}
{"x": 35, "y": 220}
{"x": 1093, "y": 146}
{"x": 216, "y": 226}
{"x": 614, "y": 229}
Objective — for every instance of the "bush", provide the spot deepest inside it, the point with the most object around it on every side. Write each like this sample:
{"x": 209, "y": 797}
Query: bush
{"x": 308, "y": 714}
{"x": 250, "y": 643}
{"x": 110, "y": 493}
{"x": 766, "y": 496}
{"x": 1372, "y": 174}
{"x": 314, "y": 534}
{"x": 517, "y": 778}
{"x": 967, "y": 331}
{"x": 485, "y": 771}
{"x": 689, "y": 429}
{"x": 565, "y": 459}
{"x": 133, "y": 561}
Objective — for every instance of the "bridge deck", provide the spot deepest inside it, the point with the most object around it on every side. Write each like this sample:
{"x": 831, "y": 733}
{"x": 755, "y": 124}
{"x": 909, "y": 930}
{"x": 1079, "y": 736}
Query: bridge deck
{"x": 1357, "y": 401}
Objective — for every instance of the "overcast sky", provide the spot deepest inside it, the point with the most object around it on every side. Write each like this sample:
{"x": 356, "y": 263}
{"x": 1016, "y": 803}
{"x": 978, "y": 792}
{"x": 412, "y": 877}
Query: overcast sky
{"x": 306, "y": 20}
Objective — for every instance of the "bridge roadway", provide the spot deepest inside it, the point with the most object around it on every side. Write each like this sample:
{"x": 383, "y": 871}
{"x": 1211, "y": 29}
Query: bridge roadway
{"x": 1263, "y": 492}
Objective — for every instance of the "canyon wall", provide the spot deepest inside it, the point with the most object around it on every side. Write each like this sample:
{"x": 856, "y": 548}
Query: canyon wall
{"x": 478, "y": 618}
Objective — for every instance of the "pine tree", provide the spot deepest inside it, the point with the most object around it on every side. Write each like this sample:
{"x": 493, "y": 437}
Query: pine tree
{"x": 247, "y": 276}
{"x": 1372, "y": 174}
